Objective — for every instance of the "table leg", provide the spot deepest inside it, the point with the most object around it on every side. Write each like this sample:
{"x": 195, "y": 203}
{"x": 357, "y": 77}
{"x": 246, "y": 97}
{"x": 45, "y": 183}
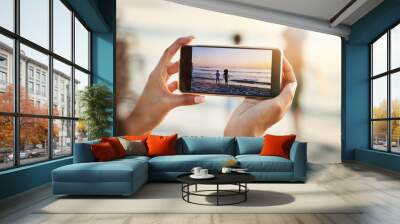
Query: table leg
{"x": 245, "y": 193}
{"x": 217, "y": 194}
{"x": 195, "y": 188}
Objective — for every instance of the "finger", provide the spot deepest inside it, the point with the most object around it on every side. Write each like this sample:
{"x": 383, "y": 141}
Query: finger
{"x": 173, "y": 68}
{"x": 187, "y": 99}
{"x": 171, "y": 50}
{"x": 288, "y": 73}
{"x": 173, "y": 86}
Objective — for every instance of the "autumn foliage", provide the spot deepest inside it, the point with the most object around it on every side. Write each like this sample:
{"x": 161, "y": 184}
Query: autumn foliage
{"x": 33, "y": 131}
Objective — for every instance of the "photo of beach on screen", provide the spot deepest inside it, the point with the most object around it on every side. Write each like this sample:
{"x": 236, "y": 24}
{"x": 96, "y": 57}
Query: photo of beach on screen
{"x": 232, "y": 71}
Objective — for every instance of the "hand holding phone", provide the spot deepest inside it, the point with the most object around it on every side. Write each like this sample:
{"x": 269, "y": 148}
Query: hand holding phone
{"x": 231, "y": 71}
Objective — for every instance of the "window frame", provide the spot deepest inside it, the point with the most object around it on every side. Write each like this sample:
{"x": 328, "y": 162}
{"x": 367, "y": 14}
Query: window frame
{"x": 388, "y": 74}
{"x": 16, "y": 115}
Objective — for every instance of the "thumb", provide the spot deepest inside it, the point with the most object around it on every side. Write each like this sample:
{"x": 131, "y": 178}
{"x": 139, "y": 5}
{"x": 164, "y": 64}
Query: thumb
{"x": 186, "y": 100}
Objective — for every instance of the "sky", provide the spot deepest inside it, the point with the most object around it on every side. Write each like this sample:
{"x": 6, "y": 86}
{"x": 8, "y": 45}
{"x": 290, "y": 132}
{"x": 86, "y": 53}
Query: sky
{"x": 232, "y": 58}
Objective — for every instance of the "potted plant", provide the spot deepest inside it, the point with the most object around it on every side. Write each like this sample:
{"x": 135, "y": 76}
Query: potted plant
{"x": 96, "y": 103}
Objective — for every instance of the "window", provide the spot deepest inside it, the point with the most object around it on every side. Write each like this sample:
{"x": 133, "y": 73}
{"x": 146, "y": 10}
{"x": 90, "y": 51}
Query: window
{"x": 385, "y": 91}
{"x": 44, "y": 123}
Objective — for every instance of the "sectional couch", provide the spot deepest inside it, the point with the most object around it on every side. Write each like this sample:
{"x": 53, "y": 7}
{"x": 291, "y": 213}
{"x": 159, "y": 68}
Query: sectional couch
{"x": 125, "y": 176}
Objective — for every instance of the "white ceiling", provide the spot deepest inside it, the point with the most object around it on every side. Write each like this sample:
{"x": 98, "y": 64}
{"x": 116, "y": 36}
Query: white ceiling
{"x": 327, "y": 16}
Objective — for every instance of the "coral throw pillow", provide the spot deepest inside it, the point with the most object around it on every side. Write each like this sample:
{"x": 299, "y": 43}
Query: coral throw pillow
{"x": 116, "y": 145}
{"x": 161, "y": 145}
{"x": 103, "y": 152}
{"x": 135, "y": 137}
{"x": 277, "y": 145}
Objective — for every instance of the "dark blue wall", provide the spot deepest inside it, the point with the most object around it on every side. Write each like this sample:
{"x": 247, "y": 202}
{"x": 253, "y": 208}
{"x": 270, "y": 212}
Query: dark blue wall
{"x": 100, "y": 17}
{"x": 355, "y": 111}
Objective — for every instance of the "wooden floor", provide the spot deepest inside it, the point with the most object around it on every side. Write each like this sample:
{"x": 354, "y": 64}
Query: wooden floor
{"x": 353, "y": 182}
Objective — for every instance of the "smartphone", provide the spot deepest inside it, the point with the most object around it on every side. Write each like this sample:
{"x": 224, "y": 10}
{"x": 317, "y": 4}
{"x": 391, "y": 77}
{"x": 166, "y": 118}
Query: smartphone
{"x": 230, "y": 71}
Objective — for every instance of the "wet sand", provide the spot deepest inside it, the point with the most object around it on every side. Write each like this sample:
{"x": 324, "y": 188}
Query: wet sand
{"x": 209, "y": 86}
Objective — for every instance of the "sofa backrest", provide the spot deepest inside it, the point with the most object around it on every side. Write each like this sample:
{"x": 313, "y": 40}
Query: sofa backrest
{"x": 83, "y": 152}
{"x": 192, "y": 145}
{"x": 249, "y": 145}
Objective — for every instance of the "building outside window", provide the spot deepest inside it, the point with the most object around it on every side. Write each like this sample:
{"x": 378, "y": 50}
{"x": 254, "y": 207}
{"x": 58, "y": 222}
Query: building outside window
{"x": 56, "y": 128}
{"x": 385, "y": 91}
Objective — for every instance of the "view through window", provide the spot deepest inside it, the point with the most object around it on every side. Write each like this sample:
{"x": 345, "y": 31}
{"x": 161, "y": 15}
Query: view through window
{"x": 44, "y": 60}
{"x": 385, "y": 92}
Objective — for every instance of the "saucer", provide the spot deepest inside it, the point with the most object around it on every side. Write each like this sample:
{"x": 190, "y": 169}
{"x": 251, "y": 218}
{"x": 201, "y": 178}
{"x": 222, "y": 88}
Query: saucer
{"x": 208, "y": 176}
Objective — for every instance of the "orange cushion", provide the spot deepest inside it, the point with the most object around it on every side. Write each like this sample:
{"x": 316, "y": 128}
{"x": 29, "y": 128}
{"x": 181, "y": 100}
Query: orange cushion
{"x": 103, "y": 152}
{"x": 135, "y": 137}
{"x": 161, "y": 145}
{"x": 116, "y": 145}
{"x": 277, "y": 145}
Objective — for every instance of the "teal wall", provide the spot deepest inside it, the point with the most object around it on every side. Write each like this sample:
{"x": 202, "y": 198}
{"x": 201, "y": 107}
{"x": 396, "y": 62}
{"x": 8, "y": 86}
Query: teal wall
{"x": 100, "y": 17}
{"x": 355, "y": 68}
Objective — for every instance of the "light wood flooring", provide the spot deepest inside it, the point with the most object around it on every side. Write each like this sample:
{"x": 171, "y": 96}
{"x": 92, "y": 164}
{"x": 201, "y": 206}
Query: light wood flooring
{"x": 353, "y": 182}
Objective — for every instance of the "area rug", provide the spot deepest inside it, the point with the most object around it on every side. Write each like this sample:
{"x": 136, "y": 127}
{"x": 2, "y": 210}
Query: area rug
{"x": 166, "y": 198}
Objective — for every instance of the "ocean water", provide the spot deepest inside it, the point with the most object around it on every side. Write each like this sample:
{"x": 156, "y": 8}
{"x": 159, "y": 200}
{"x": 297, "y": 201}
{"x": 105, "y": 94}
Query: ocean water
{"x": 245, "y": 77}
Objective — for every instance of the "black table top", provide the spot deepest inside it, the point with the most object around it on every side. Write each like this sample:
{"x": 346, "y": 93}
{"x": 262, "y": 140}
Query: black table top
{"x": 220, "y": 178}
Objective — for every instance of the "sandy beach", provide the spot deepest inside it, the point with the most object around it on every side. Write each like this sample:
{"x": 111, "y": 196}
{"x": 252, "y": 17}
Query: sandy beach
{"x": 209, "y": 86}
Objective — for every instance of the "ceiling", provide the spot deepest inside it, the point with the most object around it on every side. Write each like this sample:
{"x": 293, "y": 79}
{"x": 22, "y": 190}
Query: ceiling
{"x": 326, "y": 16}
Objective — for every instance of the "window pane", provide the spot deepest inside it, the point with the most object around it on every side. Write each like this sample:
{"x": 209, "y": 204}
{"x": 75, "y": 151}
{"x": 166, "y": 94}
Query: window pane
{"x": 379, "y": 135}
{"x": 7, "y": 14}
{"x": 379, "y": 98}
{"x": 35, "y": 21}
{"x": 395, "y": 94}
{"x": 81, "y": 45}
{"x": 395, "y": 47}
{"x": 6, "y": 142}
{"x": 62, "y": 138}
{"x": 62, "y": 29}
{"x": 395, "y": 136}
{"x": 81, "y": 131}
{"x": 33, "y": 139}
{"x": 34, "y": 72}
{"x": 6, "y": 74}
{"x": 62, "y": 89}
{"x": 379, "y": 55}
{"x": 81, "y": 81}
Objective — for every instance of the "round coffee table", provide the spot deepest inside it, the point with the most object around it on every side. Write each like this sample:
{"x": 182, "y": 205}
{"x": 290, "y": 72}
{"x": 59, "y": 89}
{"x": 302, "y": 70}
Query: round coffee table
{"x": 238, "y": 179}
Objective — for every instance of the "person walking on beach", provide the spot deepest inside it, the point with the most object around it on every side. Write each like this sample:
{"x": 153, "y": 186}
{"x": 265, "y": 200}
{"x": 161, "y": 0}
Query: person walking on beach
{"x": 217, "y": 81}
{"x": 226, "y": 76}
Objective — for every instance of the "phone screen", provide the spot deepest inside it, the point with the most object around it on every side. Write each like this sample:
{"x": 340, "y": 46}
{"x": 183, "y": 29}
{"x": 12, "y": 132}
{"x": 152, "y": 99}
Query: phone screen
{"x": 231, "y": 71}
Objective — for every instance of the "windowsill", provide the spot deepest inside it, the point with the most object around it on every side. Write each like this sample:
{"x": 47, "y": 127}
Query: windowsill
{"x": 381, "y": 159}
{"x": 25, "y": 167}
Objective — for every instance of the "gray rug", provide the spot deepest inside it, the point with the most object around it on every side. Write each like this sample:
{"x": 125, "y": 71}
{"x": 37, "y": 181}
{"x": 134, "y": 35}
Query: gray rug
{"x": 166, "y": 198}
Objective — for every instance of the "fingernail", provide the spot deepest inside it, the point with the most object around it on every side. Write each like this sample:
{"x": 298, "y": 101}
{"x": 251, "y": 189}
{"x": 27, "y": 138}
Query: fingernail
{"x": 191, "y": 36}
{"x": 199, "y": 99}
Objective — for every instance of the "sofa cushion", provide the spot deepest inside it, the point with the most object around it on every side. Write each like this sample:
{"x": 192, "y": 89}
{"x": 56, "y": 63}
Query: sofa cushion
{"x": 103, "y": 152}
{"x": 159, "y": 145}
{"x": 194, "y": 145}
{"x": 185, "y": 163}
{"x": 112, "y": 171}
{"x": 249, "y": 145}
{"x": 83, "y": 152}
{"x": 257, "y": 163}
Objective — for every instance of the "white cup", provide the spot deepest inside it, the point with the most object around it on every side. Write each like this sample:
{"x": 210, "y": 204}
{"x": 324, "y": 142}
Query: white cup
{"x": 226, "y": 170}
{"x": 196, "y": 171}
{"x": 203, "y": 172}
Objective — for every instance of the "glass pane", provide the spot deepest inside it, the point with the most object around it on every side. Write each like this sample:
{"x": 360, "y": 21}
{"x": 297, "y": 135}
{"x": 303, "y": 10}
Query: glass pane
{"x": 62, "y": 89}
{"x": 395, "y": 94}
{"x": 379, "y": 98}
{"x": 6, "y": 142}
{"x": 6, "y": 74}
{"x": 395, "y": 136}
{"x": 81, "y": 81}
{"x": 33, "y": 139}
{"x": 7, "y": 14}
{"x": 379, "y": 135}
{"x": 35, "y": 21}
{"x": 81, "y": 131}
{"x": 34, "y": 97}
{"x": 395, "y": 47}
{"x": 81, "y": 45}
{"x": 62, "y": 29}
{"x": 379, "y": 55}
{"x": 62, "y": 138}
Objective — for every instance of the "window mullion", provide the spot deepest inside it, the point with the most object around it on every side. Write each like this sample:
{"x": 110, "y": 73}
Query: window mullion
{"x": 389, "y": 104}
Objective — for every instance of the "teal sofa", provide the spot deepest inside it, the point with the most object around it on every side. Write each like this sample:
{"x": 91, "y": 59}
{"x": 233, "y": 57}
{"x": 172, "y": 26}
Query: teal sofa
{"x": 125, "y": 176}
